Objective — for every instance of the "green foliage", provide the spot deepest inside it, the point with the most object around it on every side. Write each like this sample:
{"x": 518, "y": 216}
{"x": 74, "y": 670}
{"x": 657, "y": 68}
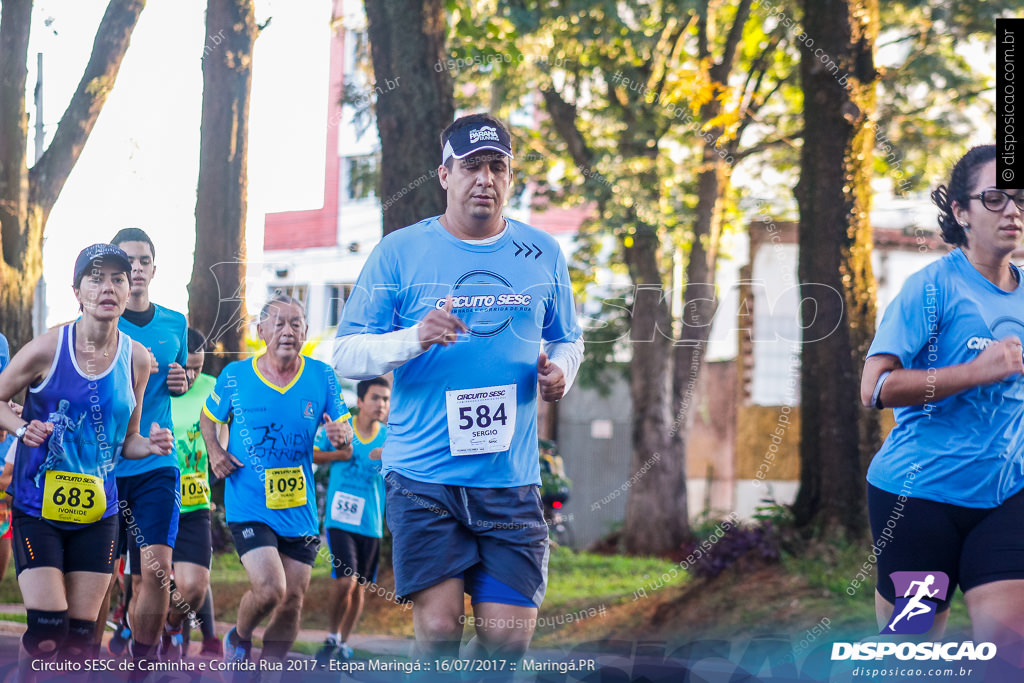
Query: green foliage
{"x": 772, "y": 511}
{"x": 359, "y": 93}
{"x": 621, "y": 92}
{"x": 607, "y": 334}
{"x": 930, "y": 93}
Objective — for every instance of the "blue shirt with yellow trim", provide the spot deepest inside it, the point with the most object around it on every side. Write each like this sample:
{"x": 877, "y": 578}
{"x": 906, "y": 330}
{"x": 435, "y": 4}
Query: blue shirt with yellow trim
{"x": 355, "y": 490}
{"x": 271, "y": 433}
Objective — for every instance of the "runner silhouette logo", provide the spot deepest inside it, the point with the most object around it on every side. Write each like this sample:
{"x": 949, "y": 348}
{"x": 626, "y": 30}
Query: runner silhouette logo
{"x": 917, "y": 598}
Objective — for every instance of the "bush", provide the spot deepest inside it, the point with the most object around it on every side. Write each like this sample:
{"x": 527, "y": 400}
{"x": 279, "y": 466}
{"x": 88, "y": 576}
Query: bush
{"x": 722, "y": 544}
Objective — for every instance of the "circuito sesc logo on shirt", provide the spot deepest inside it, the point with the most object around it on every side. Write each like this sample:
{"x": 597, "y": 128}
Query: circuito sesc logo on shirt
{"x": 489, "y": 297}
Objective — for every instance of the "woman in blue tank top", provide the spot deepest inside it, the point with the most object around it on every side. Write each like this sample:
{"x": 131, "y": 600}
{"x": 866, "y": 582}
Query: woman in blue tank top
{"x": 85, "y": 382}
{"x": 946, "y": 490}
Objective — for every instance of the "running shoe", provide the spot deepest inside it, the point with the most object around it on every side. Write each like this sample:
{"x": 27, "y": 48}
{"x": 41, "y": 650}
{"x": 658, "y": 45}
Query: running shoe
{"x": 234, "y": 651}
{"x": 118, "y": 642}
{"x": 344, "y": 652}
{"x": 212, "y": 647}
{"x": 328, "y": 651}
{"x": 171, "y": 647}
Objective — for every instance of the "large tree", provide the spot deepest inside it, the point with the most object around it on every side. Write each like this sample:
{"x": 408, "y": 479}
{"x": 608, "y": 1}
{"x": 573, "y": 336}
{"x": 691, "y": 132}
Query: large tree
{"x": 27, "y": 195}
{"x": 216, "y": 303}
{"x": 414, "y": 103}
{"x": 837, "y": 435}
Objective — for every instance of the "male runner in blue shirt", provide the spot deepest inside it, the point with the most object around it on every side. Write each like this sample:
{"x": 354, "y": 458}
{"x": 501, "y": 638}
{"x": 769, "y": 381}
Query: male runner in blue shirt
{"x": 459, "y": 305}
{"x": 150, "y": 487}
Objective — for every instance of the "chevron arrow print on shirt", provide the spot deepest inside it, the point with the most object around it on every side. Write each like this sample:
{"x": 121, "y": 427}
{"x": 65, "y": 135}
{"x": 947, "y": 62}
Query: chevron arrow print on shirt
{"x": 536, "y": 252}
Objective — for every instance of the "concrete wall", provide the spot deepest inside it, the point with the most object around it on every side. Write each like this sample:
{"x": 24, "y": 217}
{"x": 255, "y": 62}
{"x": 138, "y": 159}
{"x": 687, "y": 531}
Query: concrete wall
{"x": 594, "y": 441}
{"x": 596, "y": 466}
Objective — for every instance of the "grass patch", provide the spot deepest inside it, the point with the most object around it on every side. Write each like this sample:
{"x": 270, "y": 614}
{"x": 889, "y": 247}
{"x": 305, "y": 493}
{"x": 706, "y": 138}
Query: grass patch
{"x": 595, "y": 579}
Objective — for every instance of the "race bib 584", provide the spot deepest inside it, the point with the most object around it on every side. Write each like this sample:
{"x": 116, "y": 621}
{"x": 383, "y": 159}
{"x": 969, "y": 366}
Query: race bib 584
{"x": 481, "y": 420}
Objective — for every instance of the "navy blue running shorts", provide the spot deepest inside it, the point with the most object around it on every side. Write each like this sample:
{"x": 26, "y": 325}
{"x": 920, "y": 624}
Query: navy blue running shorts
{"x": 440, "y": 531}
{"x": 148, "y": 505}
{"x": 353, "y": 555}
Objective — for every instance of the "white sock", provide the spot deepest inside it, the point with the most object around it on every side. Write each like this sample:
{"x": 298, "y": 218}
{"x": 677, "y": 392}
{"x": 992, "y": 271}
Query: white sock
{"x": 335, "y": 638}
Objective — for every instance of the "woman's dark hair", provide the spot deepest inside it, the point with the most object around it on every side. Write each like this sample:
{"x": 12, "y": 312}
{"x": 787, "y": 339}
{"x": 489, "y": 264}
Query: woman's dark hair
{"x": 964, "y": 175}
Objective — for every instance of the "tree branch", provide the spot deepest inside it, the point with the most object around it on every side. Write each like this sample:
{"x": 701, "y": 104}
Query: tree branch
{"x": 901, "y": 39}
{"x": 720, "y": 71}
{"x": 766, "y": 144}
{"x": 910, "y": 113}
{"x": 754, "y": 107}
{"x": 703, "y": 51}
{"x": 47, "y": 177}
{"x": 563, "y": 115}
{"x": 759, "y": 67}
{"x": 670, "y": 37}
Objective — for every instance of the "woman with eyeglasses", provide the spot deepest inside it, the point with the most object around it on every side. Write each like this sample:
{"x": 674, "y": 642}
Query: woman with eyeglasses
{"x": 85, "y": 382}
{"x": 946, "y": 490}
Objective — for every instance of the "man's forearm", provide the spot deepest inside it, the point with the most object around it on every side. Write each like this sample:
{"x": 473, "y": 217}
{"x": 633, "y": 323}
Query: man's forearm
{"x": 365, "y": 356}
{"x": 568, "y": 356}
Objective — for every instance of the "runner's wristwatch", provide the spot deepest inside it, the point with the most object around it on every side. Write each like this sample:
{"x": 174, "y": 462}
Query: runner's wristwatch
{"x": 20, "y": 431}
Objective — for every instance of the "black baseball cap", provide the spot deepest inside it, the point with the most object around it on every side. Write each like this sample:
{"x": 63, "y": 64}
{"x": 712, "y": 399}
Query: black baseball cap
{"x": 474, "y": 138}
{"x": 89, "y": 256}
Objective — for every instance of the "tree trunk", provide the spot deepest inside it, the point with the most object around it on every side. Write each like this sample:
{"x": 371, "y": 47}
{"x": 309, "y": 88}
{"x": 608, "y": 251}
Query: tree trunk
{"x": 664, "y": 374}
{"x": 653, "y": 522}
{"x": 415, "y": 102}
{"x": 216, "y": 302}
{"x": 21, "y": 264}
{"x": 27, "y": 197}
{"x": 700, "y": 301}
{"x": 837, "y": 435}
